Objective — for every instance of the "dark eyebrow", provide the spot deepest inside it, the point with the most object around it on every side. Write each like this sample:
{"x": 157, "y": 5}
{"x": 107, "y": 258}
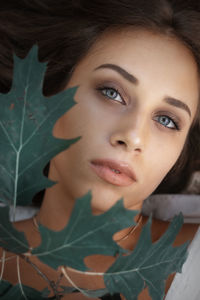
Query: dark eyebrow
{"x": 121, "y": 71}
{"x": 178, "y": 103}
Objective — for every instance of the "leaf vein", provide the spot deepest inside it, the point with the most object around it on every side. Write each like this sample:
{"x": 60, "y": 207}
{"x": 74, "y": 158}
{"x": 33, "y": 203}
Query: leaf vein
{"x": 8, "y": 137}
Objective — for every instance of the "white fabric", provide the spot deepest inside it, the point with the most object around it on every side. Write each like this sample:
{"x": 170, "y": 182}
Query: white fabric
{"x": 23, "y": 213}
{"x": 165, "y": 207}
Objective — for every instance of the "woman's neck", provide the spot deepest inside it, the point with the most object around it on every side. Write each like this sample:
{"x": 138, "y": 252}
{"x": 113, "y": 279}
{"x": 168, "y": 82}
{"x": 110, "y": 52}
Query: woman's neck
{"x": 56, "y": 208}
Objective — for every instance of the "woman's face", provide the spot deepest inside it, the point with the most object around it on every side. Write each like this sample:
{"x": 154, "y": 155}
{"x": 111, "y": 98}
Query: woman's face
{"x": 136, "y": 100}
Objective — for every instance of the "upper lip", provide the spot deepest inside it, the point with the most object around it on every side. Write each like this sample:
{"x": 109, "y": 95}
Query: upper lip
{"x": 121, "y": 166}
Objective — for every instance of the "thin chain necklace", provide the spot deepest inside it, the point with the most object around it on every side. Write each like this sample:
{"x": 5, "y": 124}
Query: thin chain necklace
{"x": 132, "y": 230}
{"x": 35, "y": 223}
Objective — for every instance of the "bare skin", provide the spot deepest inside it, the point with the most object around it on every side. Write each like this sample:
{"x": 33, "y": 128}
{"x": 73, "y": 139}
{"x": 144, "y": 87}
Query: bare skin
{"x": 122, "y": 120}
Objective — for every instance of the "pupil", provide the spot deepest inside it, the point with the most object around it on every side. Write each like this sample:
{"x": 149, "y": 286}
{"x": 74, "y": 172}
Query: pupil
{"x": 165, "y": 120}
{"x": 112, "y": 93}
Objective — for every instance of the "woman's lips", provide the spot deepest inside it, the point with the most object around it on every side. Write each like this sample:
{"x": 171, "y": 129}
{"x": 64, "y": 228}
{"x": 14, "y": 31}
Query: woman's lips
{"x": 114, "y": 172}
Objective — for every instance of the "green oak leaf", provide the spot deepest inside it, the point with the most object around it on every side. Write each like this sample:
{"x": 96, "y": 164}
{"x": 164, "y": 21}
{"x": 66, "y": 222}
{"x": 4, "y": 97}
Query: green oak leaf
{"x": 148, "y": 265}
{"x": 4, "y": 287}
{"x": 26, "y": 122}
{"x": 10, "y": 238}
{"x": 18, "y": 292}
{"x": 84, "y": 235}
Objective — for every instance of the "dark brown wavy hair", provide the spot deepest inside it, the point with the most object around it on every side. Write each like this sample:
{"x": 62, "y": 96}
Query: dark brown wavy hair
{"x": 65, "y": 30}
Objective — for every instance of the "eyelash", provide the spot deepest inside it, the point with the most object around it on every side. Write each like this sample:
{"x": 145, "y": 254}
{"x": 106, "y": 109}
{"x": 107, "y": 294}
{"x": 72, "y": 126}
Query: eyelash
{"x": 171, "y": 119}
{"x": 102, "y": 88}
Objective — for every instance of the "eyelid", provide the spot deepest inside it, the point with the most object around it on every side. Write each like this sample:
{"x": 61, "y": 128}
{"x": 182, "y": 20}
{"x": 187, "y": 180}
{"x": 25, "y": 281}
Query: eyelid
{"x": 110, "y": 84}
{"x": 175, "y": 125}
{"x": 173, "y": 117}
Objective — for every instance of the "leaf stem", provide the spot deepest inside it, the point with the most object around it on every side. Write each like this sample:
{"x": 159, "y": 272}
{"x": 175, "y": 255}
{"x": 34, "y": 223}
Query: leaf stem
{"x": 19, "y": 279}
{"x": 72, "y": 283}
{"x": 3, "y": 264}
{"x": 18, "y": 154}
{"x": 16, "y": 182}
{"x": 87, "y": 273}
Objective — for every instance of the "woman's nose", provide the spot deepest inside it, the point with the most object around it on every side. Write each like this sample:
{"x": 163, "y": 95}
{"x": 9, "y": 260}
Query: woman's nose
{"x": 131, "y": 138}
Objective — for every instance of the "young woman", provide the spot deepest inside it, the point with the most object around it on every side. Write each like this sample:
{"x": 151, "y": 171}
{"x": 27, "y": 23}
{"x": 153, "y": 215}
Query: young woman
{"x": 136, "y": 65}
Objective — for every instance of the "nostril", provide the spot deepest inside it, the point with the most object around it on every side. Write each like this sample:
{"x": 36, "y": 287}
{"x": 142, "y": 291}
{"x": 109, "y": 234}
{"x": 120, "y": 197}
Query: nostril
{"x": 138, "y": 150}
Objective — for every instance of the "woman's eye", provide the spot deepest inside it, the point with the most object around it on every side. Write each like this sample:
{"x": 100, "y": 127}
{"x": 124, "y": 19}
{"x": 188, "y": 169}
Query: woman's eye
{"x": 167, "y": 122}
{"x": 112, "y": 94}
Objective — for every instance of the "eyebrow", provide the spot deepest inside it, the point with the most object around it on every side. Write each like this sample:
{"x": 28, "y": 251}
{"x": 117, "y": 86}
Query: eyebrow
{"x": 119, "y": 70}
{"x": 178, "y": 103}
{"x": 170, "y": 100}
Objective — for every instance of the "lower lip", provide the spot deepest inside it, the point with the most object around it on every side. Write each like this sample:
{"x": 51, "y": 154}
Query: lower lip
{"x": 110, "y": 176}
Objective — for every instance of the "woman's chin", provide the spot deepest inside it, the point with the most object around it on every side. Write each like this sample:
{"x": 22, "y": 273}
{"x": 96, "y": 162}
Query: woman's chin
{"x": 104, "y": 199}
